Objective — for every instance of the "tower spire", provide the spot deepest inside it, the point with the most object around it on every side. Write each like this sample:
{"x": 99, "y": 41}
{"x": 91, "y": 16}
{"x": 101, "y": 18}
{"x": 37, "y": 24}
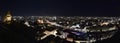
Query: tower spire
{"x": 8, "y": 13}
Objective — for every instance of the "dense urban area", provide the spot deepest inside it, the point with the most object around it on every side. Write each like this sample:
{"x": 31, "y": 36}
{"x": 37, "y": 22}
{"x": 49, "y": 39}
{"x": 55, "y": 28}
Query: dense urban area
{"x": 58, "y": 29}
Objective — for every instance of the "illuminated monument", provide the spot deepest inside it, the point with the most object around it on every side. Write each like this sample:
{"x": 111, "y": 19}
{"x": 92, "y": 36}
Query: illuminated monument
{"x": 7, "y": 18}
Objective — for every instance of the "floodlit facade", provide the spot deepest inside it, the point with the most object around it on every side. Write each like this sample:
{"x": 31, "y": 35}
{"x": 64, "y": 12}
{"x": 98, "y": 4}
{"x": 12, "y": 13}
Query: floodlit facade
{"x": 7, "y": 18}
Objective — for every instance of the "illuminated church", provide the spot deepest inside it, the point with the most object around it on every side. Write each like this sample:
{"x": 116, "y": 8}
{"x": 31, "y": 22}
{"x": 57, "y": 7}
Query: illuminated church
{"x": 7, "y": 18}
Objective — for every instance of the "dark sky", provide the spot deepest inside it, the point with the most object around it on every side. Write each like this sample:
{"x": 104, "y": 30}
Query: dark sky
{"x": 61, "y": 7}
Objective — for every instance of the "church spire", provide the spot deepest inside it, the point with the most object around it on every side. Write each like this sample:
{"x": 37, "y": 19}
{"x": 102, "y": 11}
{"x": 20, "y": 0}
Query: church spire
{"x": 8, "y": 13}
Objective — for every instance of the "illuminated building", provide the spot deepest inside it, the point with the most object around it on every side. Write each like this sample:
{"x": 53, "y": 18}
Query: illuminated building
{"x": 7, "y": 18}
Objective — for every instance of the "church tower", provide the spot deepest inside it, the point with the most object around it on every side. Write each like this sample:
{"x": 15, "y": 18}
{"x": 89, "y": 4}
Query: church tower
{"x": 7, "y": 18}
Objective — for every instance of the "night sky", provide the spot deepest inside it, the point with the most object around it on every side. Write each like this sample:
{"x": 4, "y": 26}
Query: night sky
{"x": 60, "y": 7}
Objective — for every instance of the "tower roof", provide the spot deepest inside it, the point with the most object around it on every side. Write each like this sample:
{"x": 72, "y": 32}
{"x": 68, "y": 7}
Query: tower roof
{"x": 8, "y": 13}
